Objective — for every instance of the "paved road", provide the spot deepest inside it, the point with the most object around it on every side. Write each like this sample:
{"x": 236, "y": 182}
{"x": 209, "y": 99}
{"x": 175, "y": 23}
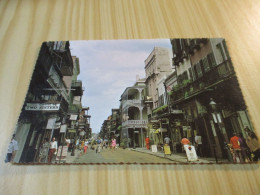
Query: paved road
{"x": 118, "y": 156}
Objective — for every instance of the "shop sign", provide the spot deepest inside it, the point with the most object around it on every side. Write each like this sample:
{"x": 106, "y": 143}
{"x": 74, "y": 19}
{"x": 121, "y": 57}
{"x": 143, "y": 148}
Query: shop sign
{"x": 73, "y": 117}
{"x": 191, "y": 153}
{"x": 186, "y": 128}
{"x": 177, "y": 111}
{"x": 82, "y": 133}
{"x": 72, "y": 131}
{"x": 57, "y": 125}
{"x": 154, "y": 121}
{"x": 63, "y": 128}
{"x": 42, "y": 107}
{"x": 154, "y": 148}
{"x": 51, "y": 123}
{"x": 136, "y": 131}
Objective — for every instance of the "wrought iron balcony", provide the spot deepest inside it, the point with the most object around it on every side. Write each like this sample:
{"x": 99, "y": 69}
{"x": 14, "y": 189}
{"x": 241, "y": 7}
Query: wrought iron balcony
{"x": 135, "y": 123}
{"x": 216, "y": 75}
{"x": 77, "y": 88}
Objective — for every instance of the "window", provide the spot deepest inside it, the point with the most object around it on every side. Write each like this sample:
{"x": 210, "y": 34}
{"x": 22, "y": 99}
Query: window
{"x": 220, "y": 49}
{"x": 205, "y": 64}
{"x": 199, "y": 70}
{"x": 211, "y": 60}
{"x": 225, "y": 48}
{"x": 190, "y": 73}
{"x": 195, "y": 74}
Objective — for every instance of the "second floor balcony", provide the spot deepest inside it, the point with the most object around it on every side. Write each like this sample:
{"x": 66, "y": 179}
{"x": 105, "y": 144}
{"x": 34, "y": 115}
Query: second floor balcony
{"x": 128, "y": 103}
{"x": 189, "y": 88}
{"x": 135, "y": 123}
{"x": 77, "y": 88}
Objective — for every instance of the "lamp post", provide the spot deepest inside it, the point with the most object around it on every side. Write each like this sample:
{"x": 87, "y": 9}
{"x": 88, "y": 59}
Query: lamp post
{"x": 134, "y": 137}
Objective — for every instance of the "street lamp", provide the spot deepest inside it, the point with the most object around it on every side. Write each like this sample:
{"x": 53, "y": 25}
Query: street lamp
{"x": 213, "y": 106}
{"x": 134, "y": 137}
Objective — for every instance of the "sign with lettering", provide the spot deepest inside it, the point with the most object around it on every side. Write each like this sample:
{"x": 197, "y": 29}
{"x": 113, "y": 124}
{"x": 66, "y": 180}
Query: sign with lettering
{"x": 191, "y": 153}
{"x": 42, "y": 107}
{"x": 154, "y": 148}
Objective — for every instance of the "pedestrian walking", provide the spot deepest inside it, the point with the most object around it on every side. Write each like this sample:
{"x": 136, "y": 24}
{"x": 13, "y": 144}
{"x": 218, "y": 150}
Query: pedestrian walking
{"x": 167, "y": 140}
{"x": 253, "y": 144}
{"x": 237, "y": 157}
{"x": 44, "y": 148}
{"x": 184, "y": 142}
{"x": 85, "y": 146}
{"x": 147, "y": 142}
{"x": 53, "y": 149}
{"x": 244, "y": 148}
{"x": 12, "y": 149}
{"x": 98, "y": 148}
{"x": 198, "y": 144}
{"x": 113, "y": 144}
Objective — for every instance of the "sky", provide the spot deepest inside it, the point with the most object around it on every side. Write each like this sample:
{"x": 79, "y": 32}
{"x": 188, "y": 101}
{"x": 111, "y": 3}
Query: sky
{"x": 107, "y": 68}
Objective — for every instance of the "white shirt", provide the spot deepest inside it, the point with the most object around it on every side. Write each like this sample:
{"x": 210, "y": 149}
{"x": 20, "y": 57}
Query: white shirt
{"x": 13, "y": 146}
{"x": 198, "y": 139}
{"x": 54, "y": 145}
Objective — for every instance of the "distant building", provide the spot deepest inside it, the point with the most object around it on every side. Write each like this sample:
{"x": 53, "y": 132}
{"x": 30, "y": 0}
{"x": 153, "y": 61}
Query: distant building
{"x": 134, "y": 114}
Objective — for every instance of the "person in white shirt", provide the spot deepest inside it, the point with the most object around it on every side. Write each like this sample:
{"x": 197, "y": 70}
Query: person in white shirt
{"x": 53, "y": 149}
{"x": 12, "y": 148}
{"x": 198, "y": 144}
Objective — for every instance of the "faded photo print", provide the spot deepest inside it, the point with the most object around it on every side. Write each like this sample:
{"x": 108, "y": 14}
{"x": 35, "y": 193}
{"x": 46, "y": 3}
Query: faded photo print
{"x": 134, "y": 101}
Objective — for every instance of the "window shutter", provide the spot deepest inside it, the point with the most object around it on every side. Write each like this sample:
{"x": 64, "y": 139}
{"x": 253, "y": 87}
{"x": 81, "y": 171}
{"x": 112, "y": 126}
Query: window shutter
{"x": 205, "y": 64}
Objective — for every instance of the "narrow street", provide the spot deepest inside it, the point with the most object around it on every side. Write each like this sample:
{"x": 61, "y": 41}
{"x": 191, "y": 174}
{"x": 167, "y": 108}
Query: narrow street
{"x": 118, "y": 156}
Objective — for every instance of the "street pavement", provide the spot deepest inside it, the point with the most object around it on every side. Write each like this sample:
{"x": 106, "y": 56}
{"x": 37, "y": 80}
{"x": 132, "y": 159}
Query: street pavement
{"x": 130, "y": 155}
{"x": 117, "y": 156}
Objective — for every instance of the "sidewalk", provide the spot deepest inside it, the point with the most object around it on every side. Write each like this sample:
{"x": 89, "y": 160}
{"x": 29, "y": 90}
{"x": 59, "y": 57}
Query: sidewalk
{"x": 178, "y": 158}
{"x": 71, "y": 159}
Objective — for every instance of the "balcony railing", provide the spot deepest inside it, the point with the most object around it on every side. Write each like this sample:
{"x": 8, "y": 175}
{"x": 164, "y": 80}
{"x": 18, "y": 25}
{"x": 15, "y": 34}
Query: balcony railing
{"x": 135, "y": 123}
{"x": 127, "y": 103}
{"x": 77, "y": 86}
{"x": 215, "y": 75}
{"x": 57, "y": 83}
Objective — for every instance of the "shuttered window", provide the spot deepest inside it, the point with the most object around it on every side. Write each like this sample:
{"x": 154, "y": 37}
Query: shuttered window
{"x": 211, "y": 60}
{"x": 205, "y": 64}
{"x": 199, "y": 71}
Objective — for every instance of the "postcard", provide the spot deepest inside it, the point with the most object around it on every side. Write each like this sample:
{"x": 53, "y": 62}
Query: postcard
{"x": 161, "y": 101}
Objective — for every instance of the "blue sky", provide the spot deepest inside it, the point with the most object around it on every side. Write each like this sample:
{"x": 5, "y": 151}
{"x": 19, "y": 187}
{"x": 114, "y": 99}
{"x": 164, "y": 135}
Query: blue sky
{"x": 107, "y": 68}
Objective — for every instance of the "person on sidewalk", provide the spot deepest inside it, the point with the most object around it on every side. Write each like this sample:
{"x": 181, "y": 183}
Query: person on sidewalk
{"x": 12, "y": 149}
{"x": 98, "y": 148}
{"x": 167, "y": 140}
{"x": 236, "y": 148}
{"x": 44, "y": 150}
{"x": 85, "y": 146}
{"x": 184, "y": 142}
{"x": 53, "y": 149}
{"x": 147, "y": 142}
{"x": 113, "y": 144}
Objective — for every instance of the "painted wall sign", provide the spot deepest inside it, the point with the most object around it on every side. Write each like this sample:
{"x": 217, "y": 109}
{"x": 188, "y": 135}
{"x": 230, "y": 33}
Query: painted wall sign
{"x": 42, "y": 107}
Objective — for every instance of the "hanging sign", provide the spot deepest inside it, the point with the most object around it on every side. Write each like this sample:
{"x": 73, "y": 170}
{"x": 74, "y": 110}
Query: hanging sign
{"x": 42, "y": 107}
{"x": 63, "y": 128}
{"x": 51, "y": 123}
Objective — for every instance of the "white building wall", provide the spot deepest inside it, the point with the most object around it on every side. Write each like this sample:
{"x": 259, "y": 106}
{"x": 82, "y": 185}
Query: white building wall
{"x": 159, "y": 63}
